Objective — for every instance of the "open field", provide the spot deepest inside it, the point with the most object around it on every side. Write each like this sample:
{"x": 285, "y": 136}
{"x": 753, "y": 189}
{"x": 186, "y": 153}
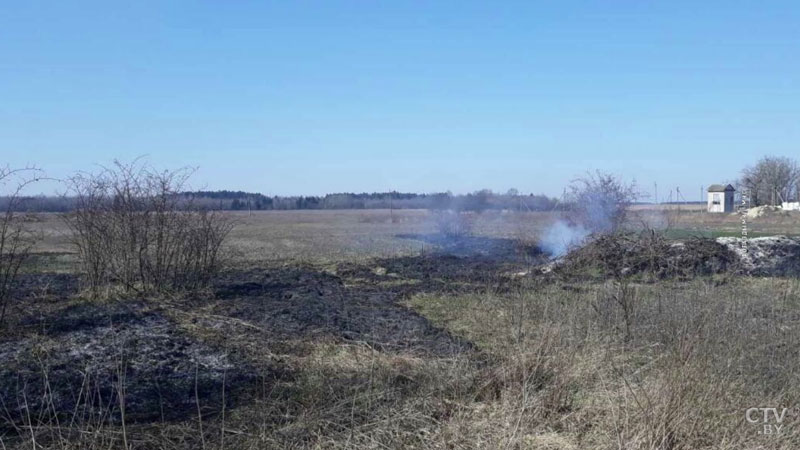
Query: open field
{"x": 368, "y": 329}
{"x": 358, "y": 234}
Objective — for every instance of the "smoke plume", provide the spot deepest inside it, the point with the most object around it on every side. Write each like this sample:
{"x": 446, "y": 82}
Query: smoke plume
{"x": 561, "y": 237}
{"x": 597, "y": 203}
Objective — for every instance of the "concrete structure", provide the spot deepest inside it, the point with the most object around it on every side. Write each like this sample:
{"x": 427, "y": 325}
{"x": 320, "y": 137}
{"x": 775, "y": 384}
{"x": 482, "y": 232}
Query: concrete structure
{"x": 720, "y": 198}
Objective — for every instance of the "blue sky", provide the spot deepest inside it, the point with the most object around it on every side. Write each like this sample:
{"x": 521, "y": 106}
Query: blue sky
{"x": 314, "y": 97}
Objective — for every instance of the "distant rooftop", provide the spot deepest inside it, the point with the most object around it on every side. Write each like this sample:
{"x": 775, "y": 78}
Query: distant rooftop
{"x": 720, "y": 188}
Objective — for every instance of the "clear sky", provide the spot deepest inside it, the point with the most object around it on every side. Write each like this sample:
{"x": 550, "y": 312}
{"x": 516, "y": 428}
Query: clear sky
{"x": 303, "y": 97}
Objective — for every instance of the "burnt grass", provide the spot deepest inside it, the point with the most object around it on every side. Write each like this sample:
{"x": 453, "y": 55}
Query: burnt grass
{"x": 298, "y": 304}
{"x": 242, "y": 345}
{"x": 75, "y": 362}
{"x": 63, "y": 357}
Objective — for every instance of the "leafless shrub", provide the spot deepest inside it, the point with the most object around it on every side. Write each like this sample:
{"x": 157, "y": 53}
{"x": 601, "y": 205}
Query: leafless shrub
{"x": 132, "y": 229}
{"x": 15, "y": 240}
{"x": 599, "y": 201}
{"x": 616, "y": 307}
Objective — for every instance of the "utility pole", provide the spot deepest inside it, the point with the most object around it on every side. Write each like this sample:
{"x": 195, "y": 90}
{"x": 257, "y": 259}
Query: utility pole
{"x": 656, "y": 189}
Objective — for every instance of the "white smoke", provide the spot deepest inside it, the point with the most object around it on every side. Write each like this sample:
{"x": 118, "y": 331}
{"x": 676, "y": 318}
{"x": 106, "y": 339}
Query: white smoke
{"x": 561, "y": 237}
{"x": 597, "y": 204}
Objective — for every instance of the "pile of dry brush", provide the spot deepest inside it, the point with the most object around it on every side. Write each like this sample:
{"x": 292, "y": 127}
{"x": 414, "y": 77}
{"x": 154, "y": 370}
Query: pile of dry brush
{"x": 647, "y": 254}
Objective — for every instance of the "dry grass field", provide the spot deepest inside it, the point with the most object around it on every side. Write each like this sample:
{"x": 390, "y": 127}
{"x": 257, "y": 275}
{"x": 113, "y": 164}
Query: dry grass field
{"x": 357, "y": 234}
{"x": 319, "y": 236}
{"x": 367, "y": 329}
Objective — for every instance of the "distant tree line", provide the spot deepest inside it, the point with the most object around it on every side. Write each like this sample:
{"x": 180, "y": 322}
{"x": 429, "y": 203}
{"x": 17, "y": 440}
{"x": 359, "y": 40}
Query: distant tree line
{"x": 243, "y": 201}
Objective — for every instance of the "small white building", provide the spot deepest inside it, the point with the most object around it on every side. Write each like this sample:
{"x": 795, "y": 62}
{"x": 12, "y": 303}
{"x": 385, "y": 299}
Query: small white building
{"x": 720, "y": 198}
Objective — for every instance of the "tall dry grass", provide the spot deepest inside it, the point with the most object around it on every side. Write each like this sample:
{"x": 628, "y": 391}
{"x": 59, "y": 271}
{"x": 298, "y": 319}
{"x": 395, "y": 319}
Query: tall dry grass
{"x": 673, "y": 366}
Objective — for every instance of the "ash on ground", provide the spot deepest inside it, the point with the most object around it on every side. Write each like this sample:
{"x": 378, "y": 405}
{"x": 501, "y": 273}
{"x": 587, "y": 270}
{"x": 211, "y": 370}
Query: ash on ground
{"x": 766, "y": 256}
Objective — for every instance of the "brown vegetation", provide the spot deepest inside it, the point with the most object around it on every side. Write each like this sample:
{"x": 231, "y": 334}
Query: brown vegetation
{"x": 402, "y": 346}
{"x": 132, "y": 229}
{"x": 648, "y": 255}
{"x": 16, "y": 240}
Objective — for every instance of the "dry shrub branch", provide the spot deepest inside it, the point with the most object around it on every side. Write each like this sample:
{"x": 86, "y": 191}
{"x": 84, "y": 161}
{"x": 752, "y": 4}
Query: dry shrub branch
{"x": 133, "y": 228}
{"x": 599, "y": 201}
{"x": 15, "y": 241}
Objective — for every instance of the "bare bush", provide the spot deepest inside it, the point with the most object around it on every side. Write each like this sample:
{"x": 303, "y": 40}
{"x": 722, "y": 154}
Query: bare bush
{"x": 15, "y": 241}
{"x": 132, "y": 229}
{"x": 599, "y": 201}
